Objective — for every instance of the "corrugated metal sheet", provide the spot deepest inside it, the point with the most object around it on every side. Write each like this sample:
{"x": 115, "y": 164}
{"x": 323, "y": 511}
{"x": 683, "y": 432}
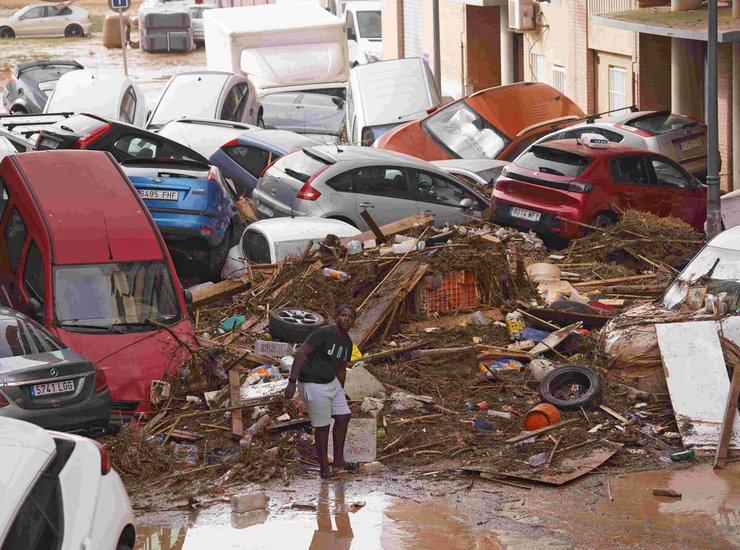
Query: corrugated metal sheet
{"x": 599, "y": 7}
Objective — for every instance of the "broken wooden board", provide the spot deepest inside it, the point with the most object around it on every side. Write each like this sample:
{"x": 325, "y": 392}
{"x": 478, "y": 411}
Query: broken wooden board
{"x": 361, "y": 444}
{"x": 246, "y": 209}
{"x": 394, "y": 290}
{"x": 570, "y": 468}
{"x": 451, "y": 321}
{"x": 552, "y": 340}
{"x": 391, "y": 229}
{"x": 560, "y": 317}
{"x": 218, "y": 291}
{"x": 237, "y": 428}
{"x": 697, "y": 379}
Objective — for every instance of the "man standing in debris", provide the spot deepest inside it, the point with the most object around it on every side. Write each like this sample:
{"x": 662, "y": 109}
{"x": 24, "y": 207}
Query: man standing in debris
{"x": 320, "y": 365}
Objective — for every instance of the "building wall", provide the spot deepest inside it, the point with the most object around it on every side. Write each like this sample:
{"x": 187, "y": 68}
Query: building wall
{"x": 654, "y": 73}
{"x": 391, "y": 17}
{"x": 483, "y": 44}
{"x": 453, "y": 47}
{"x": 724, "y": 114}
{"x": 604, "y": 61}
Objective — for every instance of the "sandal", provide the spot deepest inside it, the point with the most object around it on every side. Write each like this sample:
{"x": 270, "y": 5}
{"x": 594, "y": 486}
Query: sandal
{"x": 349, "y": 466}
{"x": 330, "y": 475}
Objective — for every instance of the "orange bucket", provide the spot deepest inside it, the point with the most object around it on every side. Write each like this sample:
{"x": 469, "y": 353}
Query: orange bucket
{"x": 541, "y": 416}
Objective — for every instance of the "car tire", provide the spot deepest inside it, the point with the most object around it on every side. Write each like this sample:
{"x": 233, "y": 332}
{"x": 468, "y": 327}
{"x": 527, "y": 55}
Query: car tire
{"x": 7, "y": 32}
{"x": 556, "y": 380}
{"x": 18, "y": 110}
{"x": 73, "y": 31}
{"x": 261, "y": 121}
{"x": 217, "y": 255}
{"x": 602, "y": 220}
{"x": 292, "y": 325}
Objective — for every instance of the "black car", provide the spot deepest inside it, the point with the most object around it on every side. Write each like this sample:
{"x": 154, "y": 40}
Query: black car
{"x": 123, "y": 141}
{"x": 44, "y": 382}
{"x": 31, "y": 82}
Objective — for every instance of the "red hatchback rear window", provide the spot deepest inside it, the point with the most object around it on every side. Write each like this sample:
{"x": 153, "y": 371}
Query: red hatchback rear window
{"x": 553, "y": 161}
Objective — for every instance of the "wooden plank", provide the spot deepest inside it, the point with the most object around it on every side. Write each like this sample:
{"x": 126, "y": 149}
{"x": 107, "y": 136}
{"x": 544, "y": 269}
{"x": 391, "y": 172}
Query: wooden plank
{"x": 395, "y": 289}
{"x": 452, "y": 321}
{"x": 218, "y": 291}
{"x": 379, "y": 237}
{"x": 394, "y": 228}
{"x": 499, "y": 353}
{"x": 552, "y": 341}
{"x": 246, "y": 210}
{"x": 526, "y": 435}
{"x": 614, "y": 414}
{"x": 237, "y": 429}
{"x": 720, "y": 457}
{"x": 602, "y": 282}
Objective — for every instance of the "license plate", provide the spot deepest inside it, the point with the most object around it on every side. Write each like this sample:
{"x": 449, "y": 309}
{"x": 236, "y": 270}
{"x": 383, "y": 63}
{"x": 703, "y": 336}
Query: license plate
{"x": 158, "y": 194}
{"x": 50, "y": 143}
{"x": 524, "y": 214}
{"x": 688, "y": 144}
{"x": 266, "y": 210}
{"x": 52, "y": 388}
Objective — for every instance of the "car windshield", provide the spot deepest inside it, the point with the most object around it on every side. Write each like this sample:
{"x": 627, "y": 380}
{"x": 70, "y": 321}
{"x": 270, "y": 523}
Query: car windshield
{"x": 24, "y": 337}
{"x": 191, "y": 96}
{"x": 369, "y": 24}
{"x": 106, "y": 295}
{"x": 465, "y": 133}
{"x": 662, "y": 123}
{"x": 717, "y": 269}
{"x": 553, "y": 161}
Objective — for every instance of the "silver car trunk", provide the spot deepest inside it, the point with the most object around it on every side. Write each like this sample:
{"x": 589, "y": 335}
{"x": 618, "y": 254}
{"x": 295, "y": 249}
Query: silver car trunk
{"x": 282, "y": 182}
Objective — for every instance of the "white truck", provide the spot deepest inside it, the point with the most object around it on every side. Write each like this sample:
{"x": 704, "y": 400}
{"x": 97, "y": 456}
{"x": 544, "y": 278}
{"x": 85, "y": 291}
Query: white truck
{"x": 286, "y": 46}
{"x": 364, "y": 32}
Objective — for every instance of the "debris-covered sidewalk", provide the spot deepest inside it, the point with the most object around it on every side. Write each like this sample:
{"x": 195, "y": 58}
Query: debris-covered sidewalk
{"x": 462, "y": 336}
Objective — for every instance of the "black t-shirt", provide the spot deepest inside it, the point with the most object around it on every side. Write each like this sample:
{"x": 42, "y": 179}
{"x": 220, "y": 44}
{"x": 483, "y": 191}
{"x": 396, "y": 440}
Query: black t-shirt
{"x": 329, "y": 352}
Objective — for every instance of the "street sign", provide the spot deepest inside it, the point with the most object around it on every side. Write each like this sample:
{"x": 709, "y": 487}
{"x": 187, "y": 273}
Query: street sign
{"x": 119, "y": 5}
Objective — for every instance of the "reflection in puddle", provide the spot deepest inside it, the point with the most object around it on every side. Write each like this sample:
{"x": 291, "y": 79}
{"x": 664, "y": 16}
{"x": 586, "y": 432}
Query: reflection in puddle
{"x": 335, "y": 525}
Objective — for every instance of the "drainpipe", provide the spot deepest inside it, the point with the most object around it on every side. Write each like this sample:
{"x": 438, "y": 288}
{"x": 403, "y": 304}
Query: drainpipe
{"x": 735, "y": 103}
{"x": 507, "y": 47}
{"x": 435, "y": 38}
{"x": 714, "y": 219}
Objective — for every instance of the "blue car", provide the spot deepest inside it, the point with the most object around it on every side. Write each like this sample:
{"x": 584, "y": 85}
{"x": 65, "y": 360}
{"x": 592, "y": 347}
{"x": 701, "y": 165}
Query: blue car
{"x": 192, "y": 206}
{"x": 244, "y": 158}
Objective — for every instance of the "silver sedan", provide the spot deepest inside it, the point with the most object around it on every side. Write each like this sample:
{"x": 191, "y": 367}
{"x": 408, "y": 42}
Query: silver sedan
{"x": 342, "y": 182}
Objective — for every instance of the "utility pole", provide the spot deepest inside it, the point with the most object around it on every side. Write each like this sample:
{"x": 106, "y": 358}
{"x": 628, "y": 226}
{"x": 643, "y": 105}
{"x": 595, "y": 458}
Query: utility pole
{"x": 714, "y": 217}
{"x": 435, "y": 38}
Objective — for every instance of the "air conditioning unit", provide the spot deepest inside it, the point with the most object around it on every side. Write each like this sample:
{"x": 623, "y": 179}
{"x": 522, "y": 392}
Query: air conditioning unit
{"x": 521, "y": 15}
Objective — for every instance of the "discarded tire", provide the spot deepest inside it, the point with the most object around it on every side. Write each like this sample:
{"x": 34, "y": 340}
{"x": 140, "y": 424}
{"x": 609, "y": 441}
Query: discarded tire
{"x": 570, "y": 387}
{"x": 292, "y": 324}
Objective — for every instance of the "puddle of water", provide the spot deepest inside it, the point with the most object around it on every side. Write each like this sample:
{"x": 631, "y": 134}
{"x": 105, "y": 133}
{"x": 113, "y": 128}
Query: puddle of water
{"x": 383, "y": 523}
{"x": 706, "y": 516}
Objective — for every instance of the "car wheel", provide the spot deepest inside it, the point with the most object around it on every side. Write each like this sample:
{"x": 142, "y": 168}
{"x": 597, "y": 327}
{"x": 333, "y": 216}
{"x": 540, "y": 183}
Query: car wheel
{"x": 570, "y": 387}
{"x": 293, "y": 324}
{"x": 18, "y": 110}
{"x": 602, "y": 220}
{"x": 217, "y": 255}
{"x": 73, "y": 30}
{"x": 261, "y": 121}
{"x": 7, "y": 32}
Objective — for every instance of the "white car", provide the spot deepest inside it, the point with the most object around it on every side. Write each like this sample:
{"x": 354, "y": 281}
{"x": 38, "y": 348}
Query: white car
{"x": 364, "y": 33}
{"x": 59, "y": 491}
{"x": 41, "y": 20}
{"x": 196, "y": 18}
{"x": 207, "y": 94}
{"x": 272, "y": 241}
{"x": 113, "y": 96}
{"x": 202, "y": 135}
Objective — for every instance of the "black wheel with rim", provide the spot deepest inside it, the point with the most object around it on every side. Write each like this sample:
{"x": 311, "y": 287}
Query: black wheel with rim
{"x": 291, "y": 324}
{"x": 7, "y": 32}
{"x": 73, "y": 30}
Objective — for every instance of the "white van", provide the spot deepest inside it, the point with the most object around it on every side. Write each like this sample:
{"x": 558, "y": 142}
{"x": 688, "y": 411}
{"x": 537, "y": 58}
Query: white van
{"x": 364, "y": 31}
{"x": 274, "y": 240}
{"x": 385, "y": 94}
{"x": 111, "y": 96}
{"x": 296, "y": 47}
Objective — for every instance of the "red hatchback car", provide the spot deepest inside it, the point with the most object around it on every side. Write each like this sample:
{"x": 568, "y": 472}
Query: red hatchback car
{"x": 589, "y": 181}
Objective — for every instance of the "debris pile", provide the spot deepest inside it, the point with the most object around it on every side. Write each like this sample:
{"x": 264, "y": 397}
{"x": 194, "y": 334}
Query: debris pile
{"x": 477, "y": 352}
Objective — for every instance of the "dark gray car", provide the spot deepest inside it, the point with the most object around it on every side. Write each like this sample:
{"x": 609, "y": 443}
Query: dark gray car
{"x": 44, "y": 382}
{"x": 31, "y": 83}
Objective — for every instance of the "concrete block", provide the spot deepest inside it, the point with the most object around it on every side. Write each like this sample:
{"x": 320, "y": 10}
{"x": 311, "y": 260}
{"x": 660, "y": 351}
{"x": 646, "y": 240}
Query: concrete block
{"x": 361, "y": 384}
{"x": 248, "y": 502}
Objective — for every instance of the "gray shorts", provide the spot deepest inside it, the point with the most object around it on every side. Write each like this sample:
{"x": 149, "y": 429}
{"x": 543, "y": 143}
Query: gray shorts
{"x": 323, "y": 401}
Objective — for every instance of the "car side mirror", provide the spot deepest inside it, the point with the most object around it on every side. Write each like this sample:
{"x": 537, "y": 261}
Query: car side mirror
{"x": 467, "y": 203}
{"x": 188, "y": 297}
{"x": 35, "y": 310}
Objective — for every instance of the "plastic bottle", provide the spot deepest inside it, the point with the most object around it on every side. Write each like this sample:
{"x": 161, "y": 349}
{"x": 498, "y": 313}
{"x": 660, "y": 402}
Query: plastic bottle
{"x": 683, "y": 455}
{"x": 515, "y": 325}
{"x": 254, "y": 429}
{"x": 336, "y": 275}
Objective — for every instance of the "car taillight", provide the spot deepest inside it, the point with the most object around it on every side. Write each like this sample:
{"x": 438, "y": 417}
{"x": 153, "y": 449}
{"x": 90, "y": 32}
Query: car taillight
{"x": 3, "y": 401}
{"x": 205, "y": 230}
{"x": 231, "y": 143}
{"x": 101, "y": 382}
{"x": 104, "y": 458}
{"x": 308, "y": 193}
{"x": 580, "y": 186}
{"x": 86, "y": 139}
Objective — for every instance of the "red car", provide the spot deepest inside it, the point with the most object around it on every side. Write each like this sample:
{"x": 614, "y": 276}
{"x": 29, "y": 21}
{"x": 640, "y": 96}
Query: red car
{"x": 496, "y": 123}
{"x": 555, "y": 187}
{"x": 81, "y": 254}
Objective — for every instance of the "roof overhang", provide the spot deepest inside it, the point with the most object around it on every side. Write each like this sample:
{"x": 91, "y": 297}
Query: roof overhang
{"x": 661, "y": 21}
{"x": 483, "y": 3}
